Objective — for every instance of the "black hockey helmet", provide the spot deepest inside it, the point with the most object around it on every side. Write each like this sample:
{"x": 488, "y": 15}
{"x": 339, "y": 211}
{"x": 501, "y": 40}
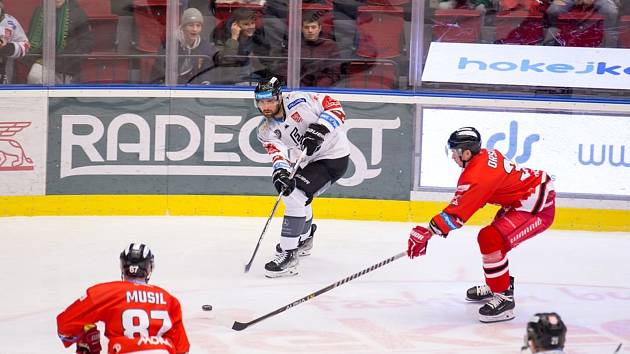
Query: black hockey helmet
{"x": 466, "y": 138}
{"x": 136, "y": 261}
{"x": 546, "y": 330}
{"x": 268, "y": 88}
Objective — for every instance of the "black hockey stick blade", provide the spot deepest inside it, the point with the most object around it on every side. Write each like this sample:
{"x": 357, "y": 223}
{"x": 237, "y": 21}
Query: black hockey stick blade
{"x": 239, "y": 326}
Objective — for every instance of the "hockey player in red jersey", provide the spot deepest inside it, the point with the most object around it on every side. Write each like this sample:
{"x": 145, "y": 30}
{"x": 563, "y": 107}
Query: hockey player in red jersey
{"x": 138, "y": 317}
{"x": 300, "y": 120}
{"x": 527, "y": 201}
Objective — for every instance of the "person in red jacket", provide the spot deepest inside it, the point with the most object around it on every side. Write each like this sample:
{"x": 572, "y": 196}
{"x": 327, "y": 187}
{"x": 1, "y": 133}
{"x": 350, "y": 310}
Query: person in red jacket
{"x": 527, "y": 201}
{"x": 138, "y": 317}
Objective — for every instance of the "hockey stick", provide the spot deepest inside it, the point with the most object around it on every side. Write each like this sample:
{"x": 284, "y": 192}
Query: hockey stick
{"x": 239, "y": 326}
{"x": 273, "y": 211}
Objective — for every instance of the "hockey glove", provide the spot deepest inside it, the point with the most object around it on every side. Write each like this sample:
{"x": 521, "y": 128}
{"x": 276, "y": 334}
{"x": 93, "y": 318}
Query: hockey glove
{"x": 313, "y": 138}
{"x": 418, "y": 239}
{"x": 90, "y": 341}
{"x": 282, "y": 182}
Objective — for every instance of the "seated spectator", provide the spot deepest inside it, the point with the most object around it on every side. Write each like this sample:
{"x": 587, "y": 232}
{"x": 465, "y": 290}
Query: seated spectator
{"x": 74, "y": 36}
{"x": 318, "y": 65}
{"x": 237, "y": 40}
{"x": 608, "y": 8}
{"x": 545, "y": 334}
{"x": 195, "y": 53}
{"x": 480, "y": 5}
{"x": 13, "y": 44}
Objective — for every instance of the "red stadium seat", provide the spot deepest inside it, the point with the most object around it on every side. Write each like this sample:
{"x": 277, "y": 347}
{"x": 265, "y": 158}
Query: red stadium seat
{"x": 104, "y": 29}
{"x": 22, "y": 10}
{"x": 519, "y": 27}
{"x": 150, "y": 21}
{"x": 580, "y": 29}
{"x": 527, "y": 5}
{"x": 456, "y": 25}
{"x": 379, "y": 31}
{"x": 371, "y": 75}
{"x": 96, "y": 7}
{"x": 624, "y": 34}
{"x": 105, "y": 70}
{"x": 387, "y": 2}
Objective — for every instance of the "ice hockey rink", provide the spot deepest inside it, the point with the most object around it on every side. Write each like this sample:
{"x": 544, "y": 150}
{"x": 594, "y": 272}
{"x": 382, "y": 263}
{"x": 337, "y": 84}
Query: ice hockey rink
{"x": 408, "y": 306}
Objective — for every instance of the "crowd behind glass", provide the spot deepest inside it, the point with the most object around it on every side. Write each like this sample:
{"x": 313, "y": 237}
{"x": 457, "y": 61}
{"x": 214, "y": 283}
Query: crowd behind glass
{"x": 356, "y": 44}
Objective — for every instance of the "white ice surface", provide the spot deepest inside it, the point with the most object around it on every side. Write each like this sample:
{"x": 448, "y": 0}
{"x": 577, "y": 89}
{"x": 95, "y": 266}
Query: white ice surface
{"x": 408, "y": 306}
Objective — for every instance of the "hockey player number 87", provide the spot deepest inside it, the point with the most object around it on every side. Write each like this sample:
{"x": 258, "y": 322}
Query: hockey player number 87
{"x": 137, "y": 321}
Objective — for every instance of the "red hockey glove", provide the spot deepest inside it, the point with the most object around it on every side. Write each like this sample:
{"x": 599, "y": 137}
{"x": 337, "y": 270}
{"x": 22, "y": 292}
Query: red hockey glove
{"x": 90, "y": 341}
{"x": 418, "y": 240}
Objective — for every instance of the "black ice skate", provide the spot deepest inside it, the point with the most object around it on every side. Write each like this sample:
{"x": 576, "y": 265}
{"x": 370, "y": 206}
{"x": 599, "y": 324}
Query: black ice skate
{"x": 284, "y": 265}
{"x": 483, "y": 292}
{"x": 304, "y": 246}
{"x": 499, "y": 308}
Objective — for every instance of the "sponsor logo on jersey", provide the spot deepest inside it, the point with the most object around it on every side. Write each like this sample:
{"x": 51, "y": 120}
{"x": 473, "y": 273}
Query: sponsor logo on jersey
{"x": 295, "y": 136}
{"x": 277, "y": 133}
{"x": 296, "y": 117}
{"x": 12, "y": 154}
{"x": 330, "y": 103}
{"x": 154, "y": 340}
{"x": 146, "y": 297}
{"x": 295, "y": 103}
{"x": 462, "y": 188}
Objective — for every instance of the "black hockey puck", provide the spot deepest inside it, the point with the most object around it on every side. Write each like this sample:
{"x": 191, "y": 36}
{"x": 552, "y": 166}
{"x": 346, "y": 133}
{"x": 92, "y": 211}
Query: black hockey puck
{"x": 206, "y": 307}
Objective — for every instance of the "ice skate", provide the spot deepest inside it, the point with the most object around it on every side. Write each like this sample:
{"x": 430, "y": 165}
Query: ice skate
{"x": 284, "y": 265}
{"x": 304, "y": 246}
{"x": 483, "y": 292}
{"x": 499, "y": 308}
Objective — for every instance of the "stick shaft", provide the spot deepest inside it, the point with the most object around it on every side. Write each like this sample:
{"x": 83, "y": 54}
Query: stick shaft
{"x": 239, "y": 326}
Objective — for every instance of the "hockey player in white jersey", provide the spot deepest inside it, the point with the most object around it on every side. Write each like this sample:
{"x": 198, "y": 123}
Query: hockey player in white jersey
{"x": 13, "y": 43}
{"x": 300, "y": 120}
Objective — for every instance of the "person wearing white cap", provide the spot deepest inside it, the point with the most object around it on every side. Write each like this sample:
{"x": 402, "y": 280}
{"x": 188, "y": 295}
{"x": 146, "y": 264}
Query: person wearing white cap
{"x": 194, "y": 53}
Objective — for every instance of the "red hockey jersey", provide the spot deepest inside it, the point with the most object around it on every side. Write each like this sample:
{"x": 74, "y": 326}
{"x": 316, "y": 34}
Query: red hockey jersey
{"x": 137, "y": 317}
{"x": 491, "y": 178}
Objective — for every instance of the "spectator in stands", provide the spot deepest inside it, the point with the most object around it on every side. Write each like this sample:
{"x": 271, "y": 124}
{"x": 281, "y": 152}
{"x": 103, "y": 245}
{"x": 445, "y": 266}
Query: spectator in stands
{"x": 73, "y": 36}
{"x": 13, "y": 44}
{"x": 237, "y": 41}
{"x": 608, "y": 8}
{"x": 480, "y": 5}
{"x": 195, "y": 53}
{"x": 320, "y": 65}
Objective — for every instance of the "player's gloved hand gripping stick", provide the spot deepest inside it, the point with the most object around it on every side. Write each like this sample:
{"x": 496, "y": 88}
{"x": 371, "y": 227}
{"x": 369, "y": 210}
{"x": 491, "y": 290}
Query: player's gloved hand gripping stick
{"x": 273, "y": 211}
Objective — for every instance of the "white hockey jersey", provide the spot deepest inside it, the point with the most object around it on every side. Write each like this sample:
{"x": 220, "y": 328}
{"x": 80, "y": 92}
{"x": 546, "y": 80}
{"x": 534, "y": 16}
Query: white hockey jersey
{"x": 302, "y": 109}
{"x": 12, "y": 32}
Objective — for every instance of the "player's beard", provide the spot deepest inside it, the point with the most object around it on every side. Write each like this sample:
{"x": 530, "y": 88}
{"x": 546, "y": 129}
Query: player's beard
{"x": 272, "y": 114}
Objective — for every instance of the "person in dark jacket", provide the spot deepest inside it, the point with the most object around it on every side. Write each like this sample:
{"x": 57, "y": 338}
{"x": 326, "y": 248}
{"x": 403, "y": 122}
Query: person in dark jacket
{"x": 73, "y": 36}
{"x": 320, "y": 65}
{"x": 238, "y": 41}
{"x": 195, "y": 53}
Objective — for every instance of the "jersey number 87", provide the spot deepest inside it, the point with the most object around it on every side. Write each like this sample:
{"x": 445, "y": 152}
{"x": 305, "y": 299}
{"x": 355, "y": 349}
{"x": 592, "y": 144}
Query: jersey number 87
{"x": 138, "y": 321}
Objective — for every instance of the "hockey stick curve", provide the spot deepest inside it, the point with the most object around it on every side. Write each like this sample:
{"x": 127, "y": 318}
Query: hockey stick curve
{"x": 239, "y": 326}
{"x": 273, "y": 211}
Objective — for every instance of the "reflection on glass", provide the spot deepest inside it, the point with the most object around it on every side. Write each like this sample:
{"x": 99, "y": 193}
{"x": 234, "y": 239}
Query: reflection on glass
{"x": 73, "y": 38}
{"x": 15, "y": 20}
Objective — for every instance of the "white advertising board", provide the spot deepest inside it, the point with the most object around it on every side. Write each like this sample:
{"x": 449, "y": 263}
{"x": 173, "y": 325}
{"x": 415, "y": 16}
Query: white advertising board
{"x": 23, "y": 122}
{"x": 528, "y": 65}
{"x": 586, "y": 154}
